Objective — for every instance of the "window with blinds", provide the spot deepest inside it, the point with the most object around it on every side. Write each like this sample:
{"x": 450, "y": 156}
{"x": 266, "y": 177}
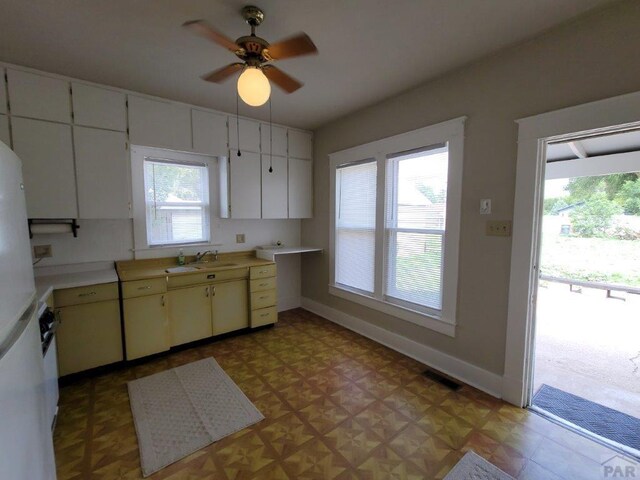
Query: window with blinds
{"x": 415, "y": 221}
{"x": 355, "y": 227}
{"x": 177, "y": 202}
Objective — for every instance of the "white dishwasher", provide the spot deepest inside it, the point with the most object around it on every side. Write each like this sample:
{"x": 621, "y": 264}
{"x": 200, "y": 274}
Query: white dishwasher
{"x": 48, "y": 325}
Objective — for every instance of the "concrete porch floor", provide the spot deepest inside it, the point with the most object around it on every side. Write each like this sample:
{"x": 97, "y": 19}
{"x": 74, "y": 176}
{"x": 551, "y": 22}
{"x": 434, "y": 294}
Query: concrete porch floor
{"x": 589, "y": 345}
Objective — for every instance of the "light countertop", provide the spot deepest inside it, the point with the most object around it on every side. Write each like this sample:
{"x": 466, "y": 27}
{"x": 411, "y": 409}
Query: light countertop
{"x": 69, "y": 276}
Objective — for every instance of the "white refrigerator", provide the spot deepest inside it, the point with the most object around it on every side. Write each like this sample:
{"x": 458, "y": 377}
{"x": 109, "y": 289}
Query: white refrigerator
{"x": 26, "y": 444}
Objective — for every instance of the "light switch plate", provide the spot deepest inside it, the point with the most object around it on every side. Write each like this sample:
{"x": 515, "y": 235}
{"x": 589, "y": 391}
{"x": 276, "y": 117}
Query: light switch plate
{"x": 499, "y": 228}
{"x": 485, "y": 206}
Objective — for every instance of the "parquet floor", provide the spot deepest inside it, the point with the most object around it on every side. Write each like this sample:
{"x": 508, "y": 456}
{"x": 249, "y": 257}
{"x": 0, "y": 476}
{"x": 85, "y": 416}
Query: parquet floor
{"x": 337, "y": 406}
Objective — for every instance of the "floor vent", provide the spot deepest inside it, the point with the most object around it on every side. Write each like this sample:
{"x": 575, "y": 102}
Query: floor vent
{"x": 441, "y": 379}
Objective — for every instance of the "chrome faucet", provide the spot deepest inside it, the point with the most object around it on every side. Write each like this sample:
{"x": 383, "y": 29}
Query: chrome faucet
{"x": 200, "y": 256}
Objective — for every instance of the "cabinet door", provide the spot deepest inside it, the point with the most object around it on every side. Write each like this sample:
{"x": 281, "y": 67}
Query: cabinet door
{"x": 89, "y": 336}
{"x": 244, "y": 185}
{"x": 229, "y": 306}
{"x": 153, "y": 123}
{"x": 300, "y": 144}
{"x": 46, "y": 151}
{"x": 102, "y": 173}
{"x": 277, "y": 140}
{"x": 99, "y": 107}
{"x": 146, "y": 326}
{"x": 300, "y": 188}
{"x": 189, "y": 314}
{"x": 37, "y": 96}
{"x": 210, "y": 133}
{"x": 249, "y": 135}
{"x": 274, "y": 187}
{"x": 4, "y": 130}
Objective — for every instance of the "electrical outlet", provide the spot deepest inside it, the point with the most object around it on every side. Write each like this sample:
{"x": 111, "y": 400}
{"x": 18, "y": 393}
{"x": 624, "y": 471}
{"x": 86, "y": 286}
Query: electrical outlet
{"x": 42, "y": 251}
{"x": 239, "y": 237}
{"x": 499, "y": 228}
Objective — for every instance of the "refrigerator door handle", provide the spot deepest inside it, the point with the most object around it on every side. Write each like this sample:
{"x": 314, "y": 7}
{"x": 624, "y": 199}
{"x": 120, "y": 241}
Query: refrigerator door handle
{"x": 18, "y": 328}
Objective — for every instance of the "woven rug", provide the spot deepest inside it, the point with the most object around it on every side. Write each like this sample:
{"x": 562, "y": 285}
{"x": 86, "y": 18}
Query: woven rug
{"x": 474, "y": 467}
{"x": 184, "y": 409}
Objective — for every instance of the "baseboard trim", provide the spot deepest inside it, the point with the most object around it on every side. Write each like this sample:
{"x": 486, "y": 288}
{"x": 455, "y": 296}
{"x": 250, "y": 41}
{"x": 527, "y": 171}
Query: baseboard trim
{"x": 465, "y": 372}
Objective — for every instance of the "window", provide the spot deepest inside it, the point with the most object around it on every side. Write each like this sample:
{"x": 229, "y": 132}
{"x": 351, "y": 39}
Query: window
{"x": 356, "y": 225}
{"x": 415, "y": 227}
{"x": 177, "y": 202}
{"x": 171, "y": 199}
{"x": 396, "y": 222}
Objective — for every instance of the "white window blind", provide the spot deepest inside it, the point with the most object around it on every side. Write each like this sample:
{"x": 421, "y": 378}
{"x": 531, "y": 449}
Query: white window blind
{"x": 177, "y": 202}
{"x": 356, "y": 225}
{"x": 416, "y": 194}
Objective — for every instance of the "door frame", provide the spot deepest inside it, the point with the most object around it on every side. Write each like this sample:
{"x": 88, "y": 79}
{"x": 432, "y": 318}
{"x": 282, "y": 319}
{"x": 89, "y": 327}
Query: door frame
{"x": 534, "y": 133}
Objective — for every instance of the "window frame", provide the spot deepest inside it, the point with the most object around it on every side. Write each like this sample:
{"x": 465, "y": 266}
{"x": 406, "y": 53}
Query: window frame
{"x": 139, "y": 208}
{"x": 450, "y": 133}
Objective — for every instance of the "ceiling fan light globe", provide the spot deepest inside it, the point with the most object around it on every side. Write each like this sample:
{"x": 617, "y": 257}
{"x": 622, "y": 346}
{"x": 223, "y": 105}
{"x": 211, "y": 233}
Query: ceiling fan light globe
{"x": 253, "y": 87}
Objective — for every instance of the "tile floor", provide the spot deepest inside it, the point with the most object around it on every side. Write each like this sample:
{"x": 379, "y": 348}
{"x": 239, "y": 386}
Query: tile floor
{"x": 337, "y": 405}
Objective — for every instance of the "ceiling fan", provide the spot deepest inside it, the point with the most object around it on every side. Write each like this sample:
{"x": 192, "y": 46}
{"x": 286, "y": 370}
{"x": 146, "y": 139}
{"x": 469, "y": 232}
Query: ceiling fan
{"x": 256, "y": 54}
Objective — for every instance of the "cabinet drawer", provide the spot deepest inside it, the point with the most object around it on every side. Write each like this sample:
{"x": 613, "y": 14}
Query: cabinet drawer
{"x": 263, "y": 271}
{"x": 178, "y": 281}
{"x": 88, "y": 294}
{"x": 263, "y": 299}
{"x": 262, "y": 284}
{"x": 264, "y": 316}
{"x": 140, "y": 288}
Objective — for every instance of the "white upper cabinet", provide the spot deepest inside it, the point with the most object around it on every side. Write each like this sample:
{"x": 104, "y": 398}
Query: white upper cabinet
{"x": 274, "y": 187}
{"x": 102, "y": 162}
{"x": 277, "y": 138}
{"x": 300, "y": 188}
{"x": 300, "y": 144}
{"x": 153, "y": 123}
{"x": 3, "y": 93}
{"x": 46, "y": 151}
{"x": 249, "y": 135}
{"x": 210, "y": 134}
{"x": 244, "y": 185}
{"x": 39, "y": 96}
{"x": 99, "y": 107}
{"x": 4, "y": 130}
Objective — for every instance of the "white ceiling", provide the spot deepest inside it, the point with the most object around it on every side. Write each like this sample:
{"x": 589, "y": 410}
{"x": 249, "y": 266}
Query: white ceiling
{"x": 369, "y": 49}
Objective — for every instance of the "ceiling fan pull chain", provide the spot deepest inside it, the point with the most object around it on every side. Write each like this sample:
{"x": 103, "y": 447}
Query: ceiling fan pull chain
{"x": 270, "y": 140}
{"x": 238, "y": 123}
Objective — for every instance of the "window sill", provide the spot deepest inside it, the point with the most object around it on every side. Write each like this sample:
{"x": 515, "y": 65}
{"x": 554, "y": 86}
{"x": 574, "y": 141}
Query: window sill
{"x": 418, "y": 318}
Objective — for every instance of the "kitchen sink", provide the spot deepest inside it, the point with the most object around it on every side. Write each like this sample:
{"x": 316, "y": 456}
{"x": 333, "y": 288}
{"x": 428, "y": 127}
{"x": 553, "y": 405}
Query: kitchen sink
{"x": 182, "y": 269}
{"x": 199, "y": 266}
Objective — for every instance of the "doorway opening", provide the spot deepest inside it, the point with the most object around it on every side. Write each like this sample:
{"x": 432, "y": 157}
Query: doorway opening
{"x": 586, "y": 347}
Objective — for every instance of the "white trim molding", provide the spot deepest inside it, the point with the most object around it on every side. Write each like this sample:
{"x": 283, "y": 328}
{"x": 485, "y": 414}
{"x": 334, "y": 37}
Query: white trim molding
{"x": 534, "y": 133}
{"x": 465, "y": 372}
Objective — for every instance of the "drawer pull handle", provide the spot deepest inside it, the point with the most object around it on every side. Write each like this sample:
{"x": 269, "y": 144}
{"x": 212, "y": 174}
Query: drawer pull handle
{"x": 264, "y": 297}
{"x": 214, "y": 292}
{"x": 264, "y": 314}
{"x": 162, "y": 298}
{"x": 263, "y": 284}
{"x": 207, "y": 290}
{"x": 148, "y": 287}
{"x": 86, "y": 294}
{"x": 263, "y": 271}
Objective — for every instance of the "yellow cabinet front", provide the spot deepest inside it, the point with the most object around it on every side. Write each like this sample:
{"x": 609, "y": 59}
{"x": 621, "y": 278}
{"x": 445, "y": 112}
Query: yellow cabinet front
{"x": 229, "y": 306}
{"x": 146, "y": 325}
{"x": 89, "y": 336}
{"x": 189, "y": 314}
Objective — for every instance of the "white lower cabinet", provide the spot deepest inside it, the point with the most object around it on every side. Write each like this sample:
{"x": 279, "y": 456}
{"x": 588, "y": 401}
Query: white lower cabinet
{"x": 4, "y": 130}
{"x": 102, "y": 171}
{"x": 46, "y": 151}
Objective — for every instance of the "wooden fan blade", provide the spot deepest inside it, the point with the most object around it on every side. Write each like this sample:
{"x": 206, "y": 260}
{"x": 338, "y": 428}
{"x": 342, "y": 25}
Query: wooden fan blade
{"x": 281, "y": 79}
{"x": 202, "y": 28}
{"x": 220, "y": 75}
{"x": 295, "y": 46}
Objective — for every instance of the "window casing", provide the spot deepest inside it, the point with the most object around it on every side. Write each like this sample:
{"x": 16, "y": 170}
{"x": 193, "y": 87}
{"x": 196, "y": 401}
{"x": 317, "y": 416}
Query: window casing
{"x": 415, "y": 233}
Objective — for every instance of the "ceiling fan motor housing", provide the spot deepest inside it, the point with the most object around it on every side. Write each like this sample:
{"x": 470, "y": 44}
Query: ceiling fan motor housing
{"x": 252, "y": 15}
